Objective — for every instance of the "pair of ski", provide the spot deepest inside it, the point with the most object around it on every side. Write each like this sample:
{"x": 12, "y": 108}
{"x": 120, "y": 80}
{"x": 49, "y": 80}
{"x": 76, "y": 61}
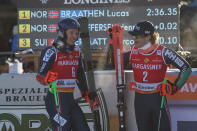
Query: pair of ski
{"x": 87, "y": 60}
{"x": 116, "y": 33}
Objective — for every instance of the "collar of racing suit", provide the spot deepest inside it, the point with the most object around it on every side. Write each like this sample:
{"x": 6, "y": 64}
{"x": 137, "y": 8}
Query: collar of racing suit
{"x": 147, "y": 48}
{"x": 66, "y": 48}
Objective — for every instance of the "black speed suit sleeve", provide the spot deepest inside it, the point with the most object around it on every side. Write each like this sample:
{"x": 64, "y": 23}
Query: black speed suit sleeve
{"x": 81, "y": 78}
{"x": 171, "y": 57}
{"x": 47, "y": 58}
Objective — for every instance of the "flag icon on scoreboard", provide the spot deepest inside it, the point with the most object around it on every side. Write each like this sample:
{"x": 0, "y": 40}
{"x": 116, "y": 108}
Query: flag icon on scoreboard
{"x": 50, "y": 41}
{"x": 52, "y": 28}
{"x": 53, "y": 14}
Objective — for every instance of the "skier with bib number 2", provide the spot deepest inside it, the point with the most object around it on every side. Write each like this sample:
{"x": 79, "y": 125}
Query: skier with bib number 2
{"x": 149, "y": 61}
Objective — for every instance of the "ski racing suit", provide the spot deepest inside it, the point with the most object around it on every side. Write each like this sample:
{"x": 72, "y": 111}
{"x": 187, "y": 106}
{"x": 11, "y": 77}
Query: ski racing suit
{"x": 67, "y": 63}
{"x": 149, "y": 71}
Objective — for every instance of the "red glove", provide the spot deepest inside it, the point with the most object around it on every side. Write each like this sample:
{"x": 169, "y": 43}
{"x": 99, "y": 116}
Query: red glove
{"x": 50, "y": 77}
{"x": 91, "y": 98}
{"x": 168, "y": 88}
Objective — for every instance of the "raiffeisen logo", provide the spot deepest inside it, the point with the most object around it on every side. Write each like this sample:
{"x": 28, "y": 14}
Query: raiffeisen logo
{"x": 96, "y": 1}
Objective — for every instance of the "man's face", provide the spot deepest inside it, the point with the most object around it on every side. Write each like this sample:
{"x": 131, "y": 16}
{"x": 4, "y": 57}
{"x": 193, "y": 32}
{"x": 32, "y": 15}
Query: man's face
{"x": 72, "y": 36}
{"x": 141, "y": 40}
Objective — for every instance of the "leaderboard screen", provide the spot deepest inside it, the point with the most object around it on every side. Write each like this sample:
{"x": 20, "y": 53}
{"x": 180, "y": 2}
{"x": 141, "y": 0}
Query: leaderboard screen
{"x": 37, "y": 20}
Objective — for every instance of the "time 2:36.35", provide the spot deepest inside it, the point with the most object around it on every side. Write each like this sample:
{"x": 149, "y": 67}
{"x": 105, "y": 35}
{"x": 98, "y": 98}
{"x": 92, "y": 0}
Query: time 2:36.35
{"x": 161, "y": 11}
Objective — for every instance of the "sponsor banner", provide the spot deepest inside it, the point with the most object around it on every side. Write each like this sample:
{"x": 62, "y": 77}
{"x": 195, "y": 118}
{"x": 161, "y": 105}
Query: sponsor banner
{"x": 189, "y": 89}
{"x": 17, "y": 118}
{"x": 32, "y": 118}
{"x": 88, "y": 3}
{"x": 21, "y": 90}
{"x": 22, "y": 104}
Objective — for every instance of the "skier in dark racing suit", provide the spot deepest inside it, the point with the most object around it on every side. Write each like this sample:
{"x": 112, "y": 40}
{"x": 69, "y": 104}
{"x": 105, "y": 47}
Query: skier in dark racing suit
{"x": 62, "y": 63}
{"x": 149, "y": 60}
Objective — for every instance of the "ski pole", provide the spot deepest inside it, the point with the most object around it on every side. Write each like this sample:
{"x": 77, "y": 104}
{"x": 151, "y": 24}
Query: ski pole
{"x": 162, "y": 104}
{"x": 54, "y": 91}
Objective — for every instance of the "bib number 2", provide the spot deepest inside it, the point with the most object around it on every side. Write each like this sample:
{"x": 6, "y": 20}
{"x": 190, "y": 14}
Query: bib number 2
{"x": 145, "y": 74}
